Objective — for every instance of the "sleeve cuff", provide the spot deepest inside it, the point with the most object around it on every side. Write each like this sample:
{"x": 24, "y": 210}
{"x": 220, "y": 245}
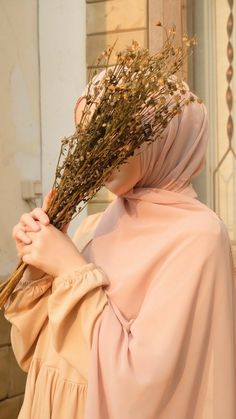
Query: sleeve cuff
{"x": 90, "y": 272}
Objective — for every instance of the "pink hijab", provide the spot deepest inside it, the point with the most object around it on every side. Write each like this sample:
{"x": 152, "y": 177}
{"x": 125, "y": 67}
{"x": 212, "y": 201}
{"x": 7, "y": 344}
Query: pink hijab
{"x": 165, "y": 345}
{"x": 134, "y": 221}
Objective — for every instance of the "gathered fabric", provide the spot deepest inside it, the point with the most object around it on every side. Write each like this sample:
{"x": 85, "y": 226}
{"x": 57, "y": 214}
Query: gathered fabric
{"x": 55, "y": 396}
{"x": 51, "y": 334}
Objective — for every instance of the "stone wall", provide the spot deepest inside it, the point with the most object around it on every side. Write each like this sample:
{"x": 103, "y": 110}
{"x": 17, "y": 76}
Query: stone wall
{"x": 12, "y": 378}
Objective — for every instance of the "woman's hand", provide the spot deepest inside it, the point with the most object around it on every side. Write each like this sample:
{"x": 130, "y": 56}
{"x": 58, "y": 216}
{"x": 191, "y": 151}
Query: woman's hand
{"x": 31, "y": 223}
{"x": 51, "y": 251}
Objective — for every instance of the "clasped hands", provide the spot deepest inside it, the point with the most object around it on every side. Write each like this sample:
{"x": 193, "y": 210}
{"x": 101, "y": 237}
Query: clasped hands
{"x": 43, "y": 246}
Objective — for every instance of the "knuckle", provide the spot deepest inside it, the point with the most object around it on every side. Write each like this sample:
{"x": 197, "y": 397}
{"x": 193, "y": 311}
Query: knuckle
{"x": 25, "y": 258}
{"x": 35, "y": 210}
{"x": 25, "y": 218}
{"x": 17, "y": 236}
{"x": 20, "y": 235}
{"x": 24, "y": 215}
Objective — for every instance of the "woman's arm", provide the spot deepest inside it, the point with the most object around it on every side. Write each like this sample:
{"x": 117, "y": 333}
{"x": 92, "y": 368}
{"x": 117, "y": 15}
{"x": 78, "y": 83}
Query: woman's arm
{"x": 32, "y": 304}
{"x": 26, "y": 310}
{"x": 76, "y": 303}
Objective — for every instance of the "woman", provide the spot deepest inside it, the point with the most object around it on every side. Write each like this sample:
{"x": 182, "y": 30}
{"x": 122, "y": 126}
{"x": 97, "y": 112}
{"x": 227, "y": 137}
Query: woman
{"x": 134, "y": 318}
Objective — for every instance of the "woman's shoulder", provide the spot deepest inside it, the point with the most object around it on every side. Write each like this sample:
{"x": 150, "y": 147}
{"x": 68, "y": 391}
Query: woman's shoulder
{"x": 208, "y": 221}
{"x": 211, "y": 223}
{"x": 84, "y": 231}
{"x": 208, "y": 228}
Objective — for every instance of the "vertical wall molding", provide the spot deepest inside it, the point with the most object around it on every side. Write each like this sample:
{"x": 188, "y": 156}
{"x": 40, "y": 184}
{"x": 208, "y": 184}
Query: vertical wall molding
{"x": 202, "y": 80}
{"x": 209, "y": 86}
{"x": 229, "y": 101}
{"x": 210, "y": 69}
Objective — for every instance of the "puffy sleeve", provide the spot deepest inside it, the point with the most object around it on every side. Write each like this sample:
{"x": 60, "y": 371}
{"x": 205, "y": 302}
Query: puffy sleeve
{"x": 74, "y": 306}
{"x": 26, "y": 310}
{"x": 68, "y": 303}
{"x": 176, "y": 359}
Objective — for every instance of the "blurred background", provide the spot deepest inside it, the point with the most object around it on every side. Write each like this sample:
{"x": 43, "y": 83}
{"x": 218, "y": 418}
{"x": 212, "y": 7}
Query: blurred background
{"x": 47, "y": 49}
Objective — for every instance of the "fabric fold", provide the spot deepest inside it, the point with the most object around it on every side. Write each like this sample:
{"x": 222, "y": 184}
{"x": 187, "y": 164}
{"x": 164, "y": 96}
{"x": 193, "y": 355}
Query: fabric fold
{"x": 178, "y": 355}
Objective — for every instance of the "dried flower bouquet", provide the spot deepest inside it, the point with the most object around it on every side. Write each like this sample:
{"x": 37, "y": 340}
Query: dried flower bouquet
{"x": 132, "y": 103}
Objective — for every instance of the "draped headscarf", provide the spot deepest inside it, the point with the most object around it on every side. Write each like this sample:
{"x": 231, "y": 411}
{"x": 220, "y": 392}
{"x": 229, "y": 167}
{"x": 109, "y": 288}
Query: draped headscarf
{"x": 134, "y": 221}
{"x": 165, "y": 345}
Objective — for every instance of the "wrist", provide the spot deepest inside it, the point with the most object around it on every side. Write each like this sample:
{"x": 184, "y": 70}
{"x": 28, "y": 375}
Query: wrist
{"x": 75, "y": 262}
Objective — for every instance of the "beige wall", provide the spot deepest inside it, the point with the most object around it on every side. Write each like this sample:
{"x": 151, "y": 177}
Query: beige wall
{"x": 41, "y": 78}
{"x": 20, "y": 159}
{"x": 111, "y": 20}
{"x": 62, "y": 78}
{"x": 169, "y": 12}
{"x": 19, "y": 110}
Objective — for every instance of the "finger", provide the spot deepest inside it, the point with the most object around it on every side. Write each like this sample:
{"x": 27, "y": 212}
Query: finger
{"x": 27, "y": 249}
{"x": 27, "y": 256}
{"x": 28, "y": 229}
{"x": 47, "y": 199}
{"x": 28, "y": 220}
{"x": 22, "y": 237}
{"x": 27, "y": 259}
{"x": 17, "y": 227}
{"x": 39, "y": 215}
{"x": 14, "y": 230}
